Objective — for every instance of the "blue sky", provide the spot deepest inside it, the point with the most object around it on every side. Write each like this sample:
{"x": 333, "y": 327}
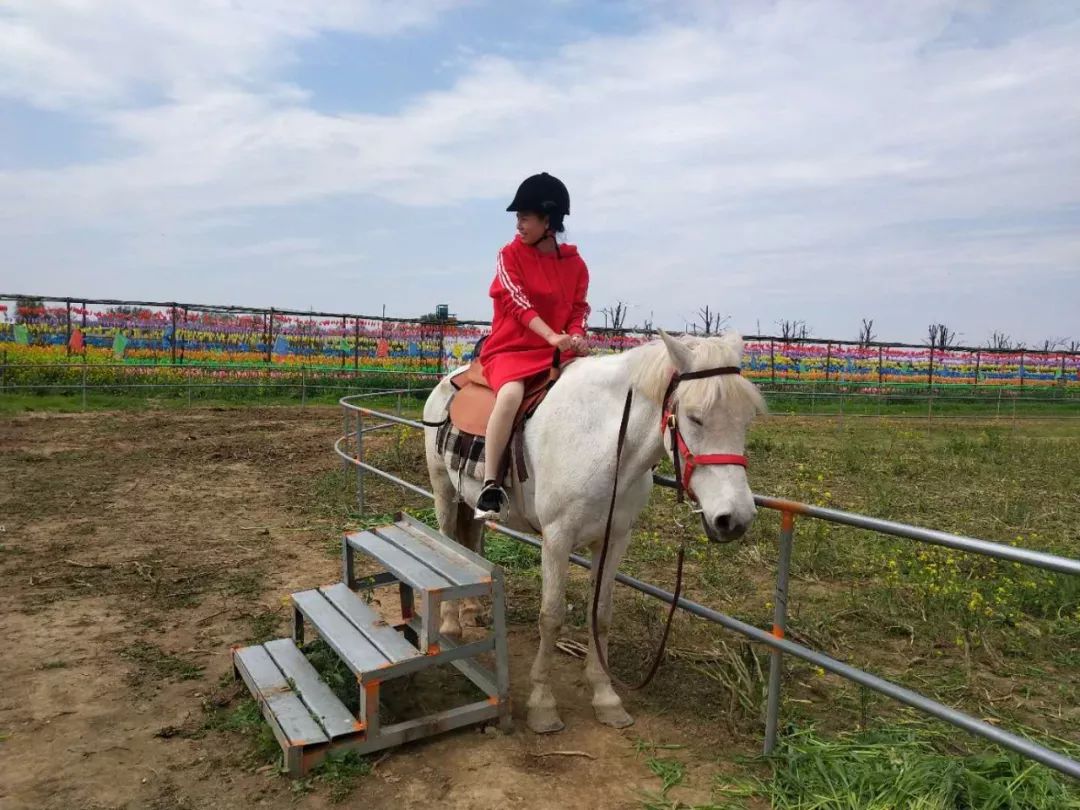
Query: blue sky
{"x": 912, "y": 162}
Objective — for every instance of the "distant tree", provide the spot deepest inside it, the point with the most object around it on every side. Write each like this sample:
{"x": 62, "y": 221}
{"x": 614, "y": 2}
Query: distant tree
{"x": 712, "y": 322}
{"x": 125, "y": 311}
{"x": 940, "y": 336}
{"x": 615, "y": 317}
{"x": 1049, "y": 344}
{"x": 866, "y": 332}
{"x": 1000, "y": 341}
{"x": 440, "y": 315}
{"x": 793, "y": 330}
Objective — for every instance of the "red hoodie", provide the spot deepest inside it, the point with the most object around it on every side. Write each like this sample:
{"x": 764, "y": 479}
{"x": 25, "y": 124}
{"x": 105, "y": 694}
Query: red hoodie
{"x": 529, "y": 283}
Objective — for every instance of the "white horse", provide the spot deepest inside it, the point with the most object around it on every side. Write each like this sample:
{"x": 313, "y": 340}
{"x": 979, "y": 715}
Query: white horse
{"x": 570, "y": 457}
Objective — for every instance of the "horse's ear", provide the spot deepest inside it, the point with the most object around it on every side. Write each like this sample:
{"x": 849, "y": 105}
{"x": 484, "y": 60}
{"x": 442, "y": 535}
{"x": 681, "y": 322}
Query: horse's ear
{"x": 681, "y": 355}
{"x": 735, "y": 341}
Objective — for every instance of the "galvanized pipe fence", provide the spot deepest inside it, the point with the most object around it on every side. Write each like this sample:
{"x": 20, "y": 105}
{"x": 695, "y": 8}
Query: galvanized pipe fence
{"x": 779, "y": 645}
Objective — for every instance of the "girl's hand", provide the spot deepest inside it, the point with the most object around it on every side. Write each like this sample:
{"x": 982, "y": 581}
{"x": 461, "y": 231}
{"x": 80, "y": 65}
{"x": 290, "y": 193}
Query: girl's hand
{"x": 578, "y": 345}
{"x": 562, "y": 342}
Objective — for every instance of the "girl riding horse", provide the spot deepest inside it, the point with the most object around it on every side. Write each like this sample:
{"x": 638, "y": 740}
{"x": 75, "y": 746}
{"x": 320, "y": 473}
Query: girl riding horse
{"x": 539, "y": 294}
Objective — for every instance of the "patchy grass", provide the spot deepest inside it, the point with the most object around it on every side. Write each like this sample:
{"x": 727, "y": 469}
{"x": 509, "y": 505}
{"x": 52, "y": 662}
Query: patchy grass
{"x": 246, "y": 720}
{"x": 264, "y": 626}
{"x": 669, "y": 769}
{"x": 334, "y": 672}
{"x": 154, "y": 664}
{"x": 511, "y": 554}
{"x": 340, "y": 773}
{"x": 178, "y": 396}
{"x": 247, "y": 584}
{"x": 896, "y": 766}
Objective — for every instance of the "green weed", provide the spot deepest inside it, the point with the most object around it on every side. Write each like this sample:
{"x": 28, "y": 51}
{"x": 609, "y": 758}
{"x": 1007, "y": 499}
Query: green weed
{"x": 511, "y": 554}
{"x": 264, "y": 626}
{"x": 245, "y": 719}
{"x": 339, "y": 772}
{"x": 152, "y": 662}
{"x": 901, "y": 766}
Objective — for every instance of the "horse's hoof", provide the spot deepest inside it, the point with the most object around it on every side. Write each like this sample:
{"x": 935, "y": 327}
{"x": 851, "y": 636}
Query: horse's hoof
{"x": 544, "y": 721}
{"x": 478, "y": 619}
{"x": 614, "y": 716}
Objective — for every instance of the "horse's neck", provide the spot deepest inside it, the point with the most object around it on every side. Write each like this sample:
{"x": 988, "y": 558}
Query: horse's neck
{"x": 644, "y": 438}
{"x": 602, "y": 383}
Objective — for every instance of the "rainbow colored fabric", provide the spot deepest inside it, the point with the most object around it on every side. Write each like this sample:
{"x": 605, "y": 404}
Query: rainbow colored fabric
{"x": 147, "y": 335}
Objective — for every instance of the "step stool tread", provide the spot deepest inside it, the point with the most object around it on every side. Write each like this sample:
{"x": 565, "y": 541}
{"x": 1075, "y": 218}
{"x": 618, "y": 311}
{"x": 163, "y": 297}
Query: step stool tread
{"x": 388, "y": 640}
{"x": 448, "y": 544}
{"x": 324, "y": 705}
{"x": 354, "y": 648}
{"x": 402, "y": 564}
{"x": 434, "y": 554}
{"x": 272, "y": 690}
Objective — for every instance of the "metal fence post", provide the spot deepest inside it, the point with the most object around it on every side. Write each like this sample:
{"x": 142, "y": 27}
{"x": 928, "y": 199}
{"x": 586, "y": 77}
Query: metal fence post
{"x": 84, "y": 382}
{"x": 345, "y": 437}
{"x": 780, "y": 597}
{"x": 359, "y": 459}
{"x": 303, "y": 386}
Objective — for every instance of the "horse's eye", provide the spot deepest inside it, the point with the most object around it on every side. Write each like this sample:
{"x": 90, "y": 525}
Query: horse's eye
{"x": 694, "y": 419}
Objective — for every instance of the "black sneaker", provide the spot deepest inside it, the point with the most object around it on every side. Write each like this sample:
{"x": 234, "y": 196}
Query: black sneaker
{"x": 490, "y": 503}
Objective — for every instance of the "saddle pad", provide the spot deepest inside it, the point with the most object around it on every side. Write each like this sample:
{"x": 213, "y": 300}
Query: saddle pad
{"x": 463, "y": 453}
{"x": 473, "y": 402}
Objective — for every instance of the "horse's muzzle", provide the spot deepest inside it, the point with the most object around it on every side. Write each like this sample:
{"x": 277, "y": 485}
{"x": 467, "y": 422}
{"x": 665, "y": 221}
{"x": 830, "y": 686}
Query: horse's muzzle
{"x": 723, "y": 528}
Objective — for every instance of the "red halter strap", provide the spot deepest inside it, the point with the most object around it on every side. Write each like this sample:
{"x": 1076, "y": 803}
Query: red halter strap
{"x": 681, "y": 454}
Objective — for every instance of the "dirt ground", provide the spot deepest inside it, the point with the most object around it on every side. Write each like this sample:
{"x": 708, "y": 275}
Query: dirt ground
{"x": 136, "y": 547}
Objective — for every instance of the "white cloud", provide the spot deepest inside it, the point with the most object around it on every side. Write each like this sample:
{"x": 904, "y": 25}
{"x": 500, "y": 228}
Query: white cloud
{"x": 793, "y": 148}
{"x": 65, "y": 52}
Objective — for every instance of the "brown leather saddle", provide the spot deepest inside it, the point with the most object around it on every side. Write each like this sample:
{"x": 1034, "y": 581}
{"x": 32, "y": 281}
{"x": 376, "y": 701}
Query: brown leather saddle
{"x": 474, "y": 399}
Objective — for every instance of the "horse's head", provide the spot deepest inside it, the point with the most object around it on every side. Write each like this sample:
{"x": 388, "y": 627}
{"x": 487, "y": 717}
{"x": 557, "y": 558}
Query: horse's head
{"x": 711, "y": 413}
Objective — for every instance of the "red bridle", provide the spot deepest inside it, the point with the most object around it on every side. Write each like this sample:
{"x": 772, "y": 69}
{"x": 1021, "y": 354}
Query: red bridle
{"x": 681, "y": 455}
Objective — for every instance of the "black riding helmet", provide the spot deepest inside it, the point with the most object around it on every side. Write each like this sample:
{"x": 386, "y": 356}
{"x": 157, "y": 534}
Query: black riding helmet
{"x": 543, "y": 194}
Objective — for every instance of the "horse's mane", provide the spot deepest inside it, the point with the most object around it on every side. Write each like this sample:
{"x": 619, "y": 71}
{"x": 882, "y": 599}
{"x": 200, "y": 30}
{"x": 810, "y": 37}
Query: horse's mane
{"x": 652, "y": 369}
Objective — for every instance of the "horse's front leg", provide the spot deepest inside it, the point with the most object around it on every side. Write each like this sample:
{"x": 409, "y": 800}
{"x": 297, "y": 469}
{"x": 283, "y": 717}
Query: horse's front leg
{"x": 606, "y": 703}
{"x": 446, "y": 512}
{"x": 471, "y": 535}
{"x": 543, "y": 715}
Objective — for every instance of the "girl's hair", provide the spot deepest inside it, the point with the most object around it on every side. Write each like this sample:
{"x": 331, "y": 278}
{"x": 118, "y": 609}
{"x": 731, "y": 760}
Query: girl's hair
{"x": 555, "y": 223}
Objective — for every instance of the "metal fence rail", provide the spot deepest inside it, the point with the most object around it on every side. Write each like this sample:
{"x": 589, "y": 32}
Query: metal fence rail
{"x": 353, "y": 417}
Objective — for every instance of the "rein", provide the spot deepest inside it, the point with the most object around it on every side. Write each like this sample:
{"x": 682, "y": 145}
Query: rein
{"x": 679, "y": 453}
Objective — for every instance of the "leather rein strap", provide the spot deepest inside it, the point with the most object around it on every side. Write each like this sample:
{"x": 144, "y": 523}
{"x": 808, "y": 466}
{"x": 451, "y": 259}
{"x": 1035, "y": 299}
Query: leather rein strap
{"x": 678, "y": 450}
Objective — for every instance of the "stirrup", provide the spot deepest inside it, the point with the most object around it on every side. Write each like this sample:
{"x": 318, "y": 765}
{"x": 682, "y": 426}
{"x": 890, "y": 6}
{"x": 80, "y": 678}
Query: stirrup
{"x": 490, "y": 511}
